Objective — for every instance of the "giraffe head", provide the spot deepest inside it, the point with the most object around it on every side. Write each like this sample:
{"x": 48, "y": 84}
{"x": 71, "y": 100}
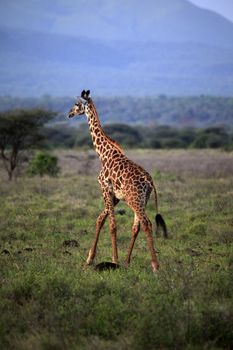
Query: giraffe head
{"x": 79, "y": 106}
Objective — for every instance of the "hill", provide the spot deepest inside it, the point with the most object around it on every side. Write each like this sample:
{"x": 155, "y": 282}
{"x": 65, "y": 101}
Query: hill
{"x": 130, "y": 20}
{"x": 34, "y": 63}
{"x": 202, "y": 111}
{"x": 170, "y": 47}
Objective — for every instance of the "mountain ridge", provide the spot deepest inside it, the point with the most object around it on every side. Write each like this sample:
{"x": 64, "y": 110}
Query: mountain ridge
{"x": 46, "y": 61}
{"x": 154, "y": 20}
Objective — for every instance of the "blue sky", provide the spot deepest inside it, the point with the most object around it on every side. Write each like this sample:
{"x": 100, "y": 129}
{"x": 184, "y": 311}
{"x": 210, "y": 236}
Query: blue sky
{"x": 224, "y": 7}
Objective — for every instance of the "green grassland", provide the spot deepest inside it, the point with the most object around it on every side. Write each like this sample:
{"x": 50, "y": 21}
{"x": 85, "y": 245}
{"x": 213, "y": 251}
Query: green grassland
{"x": 48, "y": 300}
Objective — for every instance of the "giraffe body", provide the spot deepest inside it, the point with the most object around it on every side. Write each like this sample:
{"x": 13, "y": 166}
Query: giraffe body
{"x": 120, "y": 179}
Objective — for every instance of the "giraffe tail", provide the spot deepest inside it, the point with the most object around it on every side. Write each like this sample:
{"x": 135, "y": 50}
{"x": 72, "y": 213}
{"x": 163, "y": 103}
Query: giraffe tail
{"x": 158, "y": 218}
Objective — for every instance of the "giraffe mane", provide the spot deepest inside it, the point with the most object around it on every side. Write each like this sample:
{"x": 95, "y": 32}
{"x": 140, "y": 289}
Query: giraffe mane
{"x": 113, "y": 142}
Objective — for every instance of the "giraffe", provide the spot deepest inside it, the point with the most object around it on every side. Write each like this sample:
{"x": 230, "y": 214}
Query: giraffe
{"x": 120, "y": 179}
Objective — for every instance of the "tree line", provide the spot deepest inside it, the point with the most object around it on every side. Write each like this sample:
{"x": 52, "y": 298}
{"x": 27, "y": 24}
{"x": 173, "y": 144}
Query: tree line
{"x": 21, "y": 131}
{"x": 139, "y": 136}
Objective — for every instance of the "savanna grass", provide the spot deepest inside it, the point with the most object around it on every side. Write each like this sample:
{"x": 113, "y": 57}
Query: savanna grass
{"x": 49, "y": 300}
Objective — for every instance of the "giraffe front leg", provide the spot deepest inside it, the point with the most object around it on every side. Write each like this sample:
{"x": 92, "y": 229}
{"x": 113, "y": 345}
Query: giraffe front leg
{"x": 99, "y": 224}
{"x": 134, "y": 234}
{"x": 110, "y": 203}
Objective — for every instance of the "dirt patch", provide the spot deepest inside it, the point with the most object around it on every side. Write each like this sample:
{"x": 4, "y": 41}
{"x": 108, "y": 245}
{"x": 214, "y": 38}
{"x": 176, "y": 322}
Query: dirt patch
{"x": 70, "y": 243}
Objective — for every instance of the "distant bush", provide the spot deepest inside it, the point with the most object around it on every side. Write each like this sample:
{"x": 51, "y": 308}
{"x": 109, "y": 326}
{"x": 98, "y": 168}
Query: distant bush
{"x": 124, "y": 134}
{"x": 139, "y": 136}
{"x": 43, "y": 164}
{"x": 211, "y": 138}
{"x": 59, "y": 136}
{"x": 83, "y": 137}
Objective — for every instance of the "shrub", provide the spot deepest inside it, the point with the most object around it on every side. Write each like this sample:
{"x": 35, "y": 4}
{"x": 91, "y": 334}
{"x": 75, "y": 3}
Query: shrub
{"x": 20, "y": 130}
{"x": 211, "y": 138}
{"x": 124, "y": 134}
{"x": 43, "y": 164}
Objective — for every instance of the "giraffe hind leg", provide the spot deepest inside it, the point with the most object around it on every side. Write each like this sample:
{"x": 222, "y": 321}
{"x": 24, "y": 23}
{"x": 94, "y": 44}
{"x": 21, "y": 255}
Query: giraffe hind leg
{"x": 147, "y": 228}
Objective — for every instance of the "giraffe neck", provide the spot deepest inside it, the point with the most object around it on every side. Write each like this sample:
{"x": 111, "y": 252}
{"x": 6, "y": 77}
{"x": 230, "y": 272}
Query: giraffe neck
{"x": 103, "y": 143}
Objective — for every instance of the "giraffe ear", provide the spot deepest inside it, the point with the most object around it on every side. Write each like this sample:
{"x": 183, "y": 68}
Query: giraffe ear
{"x": 87, "y": 93}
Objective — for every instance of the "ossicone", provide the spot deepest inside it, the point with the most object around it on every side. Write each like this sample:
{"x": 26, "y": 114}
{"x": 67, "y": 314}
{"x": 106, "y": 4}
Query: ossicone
{"x": 85, "y": 95}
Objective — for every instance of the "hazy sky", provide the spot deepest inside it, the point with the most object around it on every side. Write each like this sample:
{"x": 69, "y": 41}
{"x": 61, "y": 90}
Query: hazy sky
{"x": 224, "y": 7}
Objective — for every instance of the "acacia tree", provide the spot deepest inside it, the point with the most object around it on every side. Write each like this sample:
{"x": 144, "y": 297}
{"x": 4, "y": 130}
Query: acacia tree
{"x": 20, "y": 130}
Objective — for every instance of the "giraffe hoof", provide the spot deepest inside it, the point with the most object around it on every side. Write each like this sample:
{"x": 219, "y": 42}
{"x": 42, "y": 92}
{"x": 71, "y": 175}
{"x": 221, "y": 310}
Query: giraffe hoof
{"x": 89, "y": 262}
{"x": 155, "y": 267}
{"x": 90, "y": 258}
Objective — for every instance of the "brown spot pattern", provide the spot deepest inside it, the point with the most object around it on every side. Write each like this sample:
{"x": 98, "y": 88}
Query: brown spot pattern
{"x": 120, "y": 179}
